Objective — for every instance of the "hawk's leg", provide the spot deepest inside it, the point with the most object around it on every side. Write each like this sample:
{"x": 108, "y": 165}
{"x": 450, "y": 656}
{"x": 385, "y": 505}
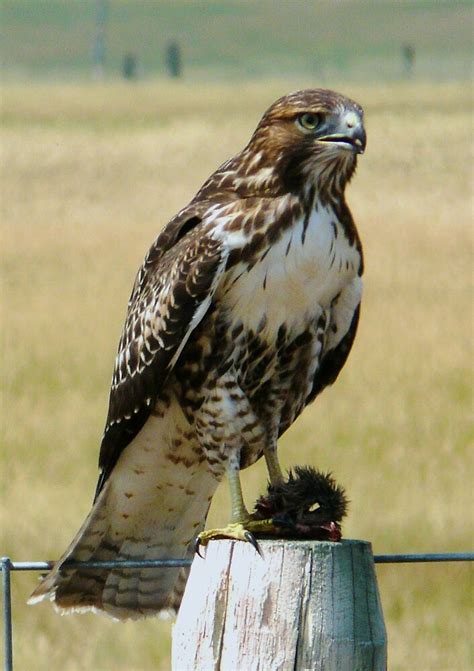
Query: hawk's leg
{"x": 225, "y": 423}
{"x": 273, "y": 465}
{"x": 272, "y": 421}
{"x": 242, "y": 526}
{"x": 240, "y": 514}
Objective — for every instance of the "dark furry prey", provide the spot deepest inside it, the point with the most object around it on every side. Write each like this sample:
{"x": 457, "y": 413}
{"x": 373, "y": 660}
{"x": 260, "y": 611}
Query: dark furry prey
{"x": 309, "y": 504}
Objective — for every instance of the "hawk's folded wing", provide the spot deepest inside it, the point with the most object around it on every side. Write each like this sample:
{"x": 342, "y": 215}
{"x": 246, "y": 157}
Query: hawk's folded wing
{"x": 172, "y": 293}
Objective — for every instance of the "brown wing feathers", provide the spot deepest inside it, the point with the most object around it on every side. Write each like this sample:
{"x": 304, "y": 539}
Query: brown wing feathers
{"x": 159, "y": 320}
{"x": 333, "y": 361}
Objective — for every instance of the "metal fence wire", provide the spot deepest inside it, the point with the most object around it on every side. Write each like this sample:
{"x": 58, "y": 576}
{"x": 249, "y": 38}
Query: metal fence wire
{"x": 8, "y": 566}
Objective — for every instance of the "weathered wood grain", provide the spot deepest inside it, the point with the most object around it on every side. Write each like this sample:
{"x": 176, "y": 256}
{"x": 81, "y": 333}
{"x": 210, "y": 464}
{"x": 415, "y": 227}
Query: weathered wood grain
{"x": 303, "y": 605}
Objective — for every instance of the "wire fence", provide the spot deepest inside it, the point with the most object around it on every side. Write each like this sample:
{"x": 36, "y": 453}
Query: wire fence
{"x": 8, "y": 566}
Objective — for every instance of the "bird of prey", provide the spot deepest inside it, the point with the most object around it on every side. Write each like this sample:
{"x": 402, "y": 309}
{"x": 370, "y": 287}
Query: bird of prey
{"x": 244, "y": 310}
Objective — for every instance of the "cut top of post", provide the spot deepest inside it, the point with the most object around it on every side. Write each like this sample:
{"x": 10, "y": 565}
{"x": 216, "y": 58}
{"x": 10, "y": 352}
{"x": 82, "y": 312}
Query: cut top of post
{"x": 303, "y": 605}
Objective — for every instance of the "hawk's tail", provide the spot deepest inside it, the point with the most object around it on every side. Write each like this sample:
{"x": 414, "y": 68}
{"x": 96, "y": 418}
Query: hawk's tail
{"x": 149, "y": 521}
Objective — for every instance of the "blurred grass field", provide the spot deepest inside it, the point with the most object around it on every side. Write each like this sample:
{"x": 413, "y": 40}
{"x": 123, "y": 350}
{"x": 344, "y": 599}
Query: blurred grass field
{"x": 355, "y": 40}
{"x": 90, "y": 173}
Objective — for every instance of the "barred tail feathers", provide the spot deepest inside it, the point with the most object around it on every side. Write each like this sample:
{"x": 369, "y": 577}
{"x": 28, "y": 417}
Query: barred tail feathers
{"x": 151, "y": 507}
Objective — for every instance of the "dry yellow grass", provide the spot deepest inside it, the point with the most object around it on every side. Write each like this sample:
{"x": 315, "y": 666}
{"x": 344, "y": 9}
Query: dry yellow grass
{"x": 89, "y": 175}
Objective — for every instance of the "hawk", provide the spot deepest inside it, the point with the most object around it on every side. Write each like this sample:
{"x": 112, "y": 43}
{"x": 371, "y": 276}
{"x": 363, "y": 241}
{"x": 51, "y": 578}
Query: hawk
{"x": 244, "y": 310}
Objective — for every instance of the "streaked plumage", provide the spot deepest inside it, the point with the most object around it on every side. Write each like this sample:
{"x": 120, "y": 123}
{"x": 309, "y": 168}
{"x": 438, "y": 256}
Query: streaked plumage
{"x": 243, "y": 311}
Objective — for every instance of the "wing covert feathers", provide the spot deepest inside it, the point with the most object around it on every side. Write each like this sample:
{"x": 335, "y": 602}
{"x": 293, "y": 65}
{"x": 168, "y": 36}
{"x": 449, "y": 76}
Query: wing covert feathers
{"x": 160, "y": 319}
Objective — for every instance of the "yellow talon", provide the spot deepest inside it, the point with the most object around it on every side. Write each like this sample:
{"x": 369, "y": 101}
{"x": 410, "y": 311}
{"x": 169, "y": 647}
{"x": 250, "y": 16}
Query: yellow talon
{"x": 243, "y": 526}
{"x": 235, "y": 531}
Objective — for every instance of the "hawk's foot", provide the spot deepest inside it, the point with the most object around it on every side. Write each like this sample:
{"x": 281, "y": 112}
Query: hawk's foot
{"x": 240, "y": 531}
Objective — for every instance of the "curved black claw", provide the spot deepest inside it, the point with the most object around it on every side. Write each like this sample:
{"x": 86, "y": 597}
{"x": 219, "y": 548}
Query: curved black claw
{"x": 250, "y": 538}
{"x": 197, "y": 546}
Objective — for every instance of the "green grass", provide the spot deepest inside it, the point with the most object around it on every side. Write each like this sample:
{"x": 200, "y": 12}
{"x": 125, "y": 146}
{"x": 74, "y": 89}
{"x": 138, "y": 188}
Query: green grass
{"x": 239, "y": 39}
{"x": 89, "y": 175}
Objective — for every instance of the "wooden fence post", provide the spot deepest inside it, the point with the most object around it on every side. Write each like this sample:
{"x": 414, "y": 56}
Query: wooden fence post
{"x": 304, "y": 605}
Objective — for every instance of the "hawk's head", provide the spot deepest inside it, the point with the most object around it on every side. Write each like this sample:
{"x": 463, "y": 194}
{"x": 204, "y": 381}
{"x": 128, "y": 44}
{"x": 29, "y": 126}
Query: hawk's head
{"x": 310, "y": 135}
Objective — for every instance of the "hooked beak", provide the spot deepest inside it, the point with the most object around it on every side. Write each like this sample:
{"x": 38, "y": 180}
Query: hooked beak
{"x": 347, "y": 131}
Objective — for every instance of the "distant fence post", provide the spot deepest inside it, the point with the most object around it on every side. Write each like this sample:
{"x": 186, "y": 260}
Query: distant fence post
{"x": 408, "y": 58}
{"x": 303, "y": 605}
{"x": 129, "y": 66}
{"x": 98, "y": 47}
{"x": 173, "y": 59}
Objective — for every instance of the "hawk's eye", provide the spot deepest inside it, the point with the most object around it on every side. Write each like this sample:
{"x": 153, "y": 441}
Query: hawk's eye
{"x": 309, "y": 121}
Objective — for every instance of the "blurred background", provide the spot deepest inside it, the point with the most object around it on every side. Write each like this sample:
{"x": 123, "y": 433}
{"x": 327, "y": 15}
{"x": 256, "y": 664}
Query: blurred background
{"x": 113, "y": 114}
{"x": 235, "y": 39}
